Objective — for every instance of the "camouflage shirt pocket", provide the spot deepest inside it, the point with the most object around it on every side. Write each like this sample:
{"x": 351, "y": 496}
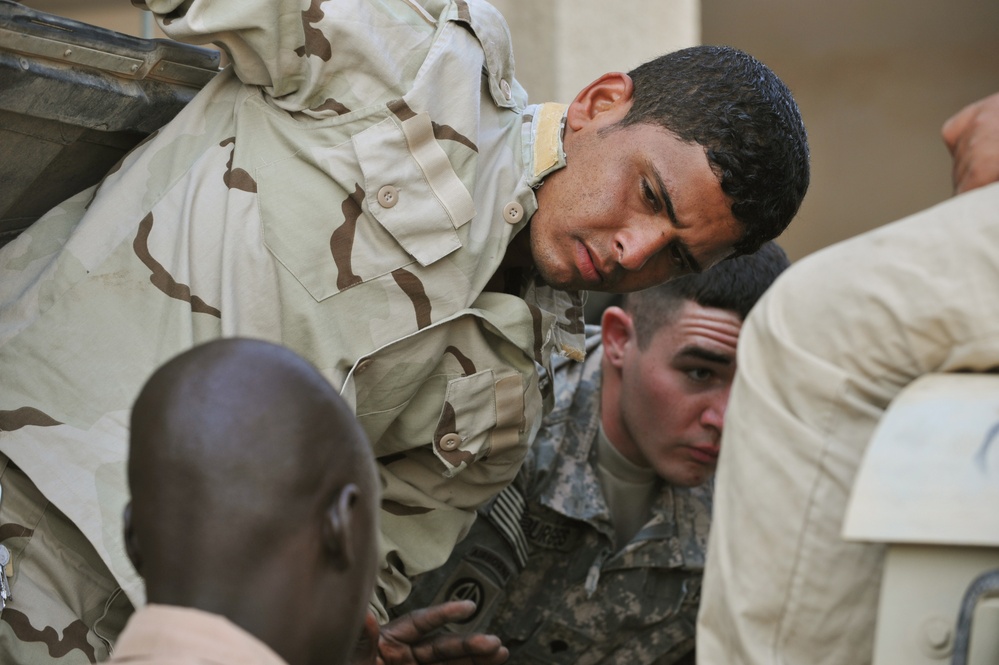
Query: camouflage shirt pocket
{"x": 336, "y": 216}
{"x": 482, "y": 413}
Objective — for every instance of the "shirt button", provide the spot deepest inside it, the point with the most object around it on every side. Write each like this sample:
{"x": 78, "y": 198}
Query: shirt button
{"x": 450, "y": 442}
{"x": 505, "y": 87}
{"x": 388, "y": 196}
{"x": 513, "y": 212}
{"x": 363, "y": 365}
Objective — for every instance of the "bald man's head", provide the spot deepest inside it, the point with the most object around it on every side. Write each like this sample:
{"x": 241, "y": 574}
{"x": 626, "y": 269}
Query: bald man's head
{"x": 254, "y": 496}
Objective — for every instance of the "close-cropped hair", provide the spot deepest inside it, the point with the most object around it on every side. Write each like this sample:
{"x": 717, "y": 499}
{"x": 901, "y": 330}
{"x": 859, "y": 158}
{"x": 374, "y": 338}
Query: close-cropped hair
{"x": 734, "y": 284}
{"x": 747, "y": 121}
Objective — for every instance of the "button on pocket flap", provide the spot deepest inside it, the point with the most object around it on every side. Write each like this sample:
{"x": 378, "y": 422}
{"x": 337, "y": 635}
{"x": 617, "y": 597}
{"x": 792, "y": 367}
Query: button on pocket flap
{"x": 493, "y": 34}
{"x": 314, "y": 223}
{"x": 411, "y": 188}
{"x": 468, "y": 414}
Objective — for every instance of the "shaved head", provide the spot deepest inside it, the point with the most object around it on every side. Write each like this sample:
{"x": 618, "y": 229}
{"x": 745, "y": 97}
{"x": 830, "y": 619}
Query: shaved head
{"x": 245, "y": 464}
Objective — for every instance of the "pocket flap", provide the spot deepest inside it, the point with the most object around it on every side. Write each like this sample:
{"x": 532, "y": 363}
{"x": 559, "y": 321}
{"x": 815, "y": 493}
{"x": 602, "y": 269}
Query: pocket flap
{"x": 411, "y": 188}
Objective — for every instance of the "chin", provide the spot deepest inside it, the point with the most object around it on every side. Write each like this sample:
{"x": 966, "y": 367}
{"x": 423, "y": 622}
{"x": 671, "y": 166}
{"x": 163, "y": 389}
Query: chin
{"x": 687, "y": 479}
{"x": 553, "y": 279}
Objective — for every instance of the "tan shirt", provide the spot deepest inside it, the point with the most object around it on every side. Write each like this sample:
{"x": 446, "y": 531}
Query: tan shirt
{"x": 171, "y": 635}
{"x": 630, "y": 490}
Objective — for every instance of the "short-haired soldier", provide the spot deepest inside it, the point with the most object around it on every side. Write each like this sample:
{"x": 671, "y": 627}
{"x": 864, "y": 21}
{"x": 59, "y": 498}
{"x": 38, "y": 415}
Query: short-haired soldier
{"x": 596, "y": 550}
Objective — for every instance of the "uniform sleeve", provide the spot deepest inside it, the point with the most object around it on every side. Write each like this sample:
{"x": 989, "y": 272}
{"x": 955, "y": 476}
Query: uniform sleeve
{"x": 451, "y": 412}
{"x": 305, "y": 54}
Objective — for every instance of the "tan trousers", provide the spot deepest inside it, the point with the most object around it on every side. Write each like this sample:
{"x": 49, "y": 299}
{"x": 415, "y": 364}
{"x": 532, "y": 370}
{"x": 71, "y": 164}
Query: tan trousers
{"x": 53, "y": 618}
{"x": 820, "y": 358}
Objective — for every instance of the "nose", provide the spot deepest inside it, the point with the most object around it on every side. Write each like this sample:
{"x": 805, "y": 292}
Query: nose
{"x": 637, "y": 244}
{"x": 713, "y": 416}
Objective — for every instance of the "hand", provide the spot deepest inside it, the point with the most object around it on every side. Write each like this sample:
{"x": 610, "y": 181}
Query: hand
{"x": 366, "y": 653}
{"x": 407, "y": 640}
{"x": 972, "y": 136}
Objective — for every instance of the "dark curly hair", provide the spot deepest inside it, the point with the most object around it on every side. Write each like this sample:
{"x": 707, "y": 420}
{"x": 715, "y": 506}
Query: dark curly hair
{"x": 735, "y": 284}
{"x": 747, "y": 121}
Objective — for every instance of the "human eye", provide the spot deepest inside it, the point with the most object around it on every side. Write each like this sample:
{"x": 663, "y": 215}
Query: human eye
{"x": 700, "y": 374}
{"x": 678, "y": 257}
{"x": 649, "y": 194}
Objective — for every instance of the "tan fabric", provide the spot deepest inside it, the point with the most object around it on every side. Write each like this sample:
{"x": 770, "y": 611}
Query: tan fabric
{"x": 52, "y": 617}
{"x": 820, "y": 358}
{"x": 350, "y": 208}
{"x": 629, "y": 490}
{"x": 170, "y": 635}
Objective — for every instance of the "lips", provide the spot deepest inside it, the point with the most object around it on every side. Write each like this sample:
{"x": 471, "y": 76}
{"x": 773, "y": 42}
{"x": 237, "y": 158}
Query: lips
{"x": 705, "y": 454}
{"x": 587, "y": 268}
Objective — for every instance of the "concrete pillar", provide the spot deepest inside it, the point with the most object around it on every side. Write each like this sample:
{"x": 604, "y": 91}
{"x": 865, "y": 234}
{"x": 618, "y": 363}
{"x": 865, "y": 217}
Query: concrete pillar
{"x": 561, "y": 45}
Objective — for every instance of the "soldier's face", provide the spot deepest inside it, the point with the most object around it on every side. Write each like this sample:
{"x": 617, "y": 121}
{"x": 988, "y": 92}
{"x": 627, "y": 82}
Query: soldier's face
{"x": 664, "y": 406}
{"x": 633, "y": 207}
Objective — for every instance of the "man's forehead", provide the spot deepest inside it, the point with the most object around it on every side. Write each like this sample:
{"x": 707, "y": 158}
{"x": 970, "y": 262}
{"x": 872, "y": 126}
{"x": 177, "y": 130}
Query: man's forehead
{"x": 711, "y": 327}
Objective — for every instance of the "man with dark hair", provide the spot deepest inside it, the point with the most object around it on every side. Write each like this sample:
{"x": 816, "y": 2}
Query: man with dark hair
{"x": 692, "y": 93}
{"x": 594, "y": 553}
{"x": 367, "y": 185}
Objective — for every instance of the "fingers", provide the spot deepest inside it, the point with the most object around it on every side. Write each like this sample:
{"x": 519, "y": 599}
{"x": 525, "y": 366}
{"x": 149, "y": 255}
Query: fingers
{"x": 408, "y": 639}
{"x": 366, "y": 651}
{"x": 413, "y": 626}
{"x": 476, "y": 649}
{"x": 956, "y": 125}
{"x": 972, "y": 137}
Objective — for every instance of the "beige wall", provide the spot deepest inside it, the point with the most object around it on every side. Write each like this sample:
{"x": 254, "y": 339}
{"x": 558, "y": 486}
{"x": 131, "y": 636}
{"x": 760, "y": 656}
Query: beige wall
{"x": 562, "y": 45}
{"x": 117, "y": 15}
{"x": 875, "y": 79}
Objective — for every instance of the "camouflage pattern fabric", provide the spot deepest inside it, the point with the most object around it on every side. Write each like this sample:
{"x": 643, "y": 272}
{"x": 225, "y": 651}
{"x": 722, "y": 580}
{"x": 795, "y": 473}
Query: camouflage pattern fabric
{"x": 52, "y": 619}
{"x": 346, "y": 188}
{"x": 541, "y": 563}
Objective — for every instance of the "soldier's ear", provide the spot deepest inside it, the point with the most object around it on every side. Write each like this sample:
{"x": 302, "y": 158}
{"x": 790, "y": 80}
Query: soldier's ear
{"x": 617, "y": 331}
{"x": 338, "y": 527}
{"x": 131, "y": 544}
{"x": 602, "y": 103}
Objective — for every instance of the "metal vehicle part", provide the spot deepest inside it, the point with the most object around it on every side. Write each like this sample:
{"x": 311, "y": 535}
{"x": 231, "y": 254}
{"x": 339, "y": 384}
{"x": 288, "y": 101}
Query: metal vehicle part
{"x": 74, "y": 99}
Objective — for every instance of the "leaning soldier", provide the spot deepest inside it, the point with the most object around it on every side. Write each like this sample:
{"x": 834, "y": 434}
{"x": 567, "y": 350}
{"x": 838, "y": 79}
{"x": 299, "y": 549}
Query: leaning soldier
{"x": 367, "y": 185}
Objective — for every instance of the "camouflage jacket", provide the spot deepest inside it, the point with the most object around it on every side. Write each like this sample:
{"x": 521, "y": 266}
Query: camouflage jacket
{"x": 346, "y": 188}
{"x": 541, "y": 563}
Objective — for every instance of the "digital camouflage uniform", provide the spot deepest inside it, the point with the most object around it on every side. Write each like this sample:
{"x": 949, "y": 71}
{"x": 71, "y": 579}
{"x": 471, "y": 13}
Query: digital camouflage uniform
{"x": 346, "y": 188}
{"x": 540, "y": 560}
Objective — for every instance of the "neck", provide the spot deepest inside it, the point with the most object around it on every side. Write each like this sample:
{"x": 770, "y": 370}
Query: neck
{"x": 610, "y": 421}
{"x": 509, "y": 276}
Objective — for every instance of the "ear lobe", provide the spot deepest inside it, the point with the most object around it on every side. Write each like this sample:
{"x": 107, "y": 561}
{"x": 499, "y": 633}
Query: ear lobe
{"x": 607, "y": 99}
{"x": 338, "y": 527}
{"x": 616, "y": 332}
{"x": 131, "y": 544}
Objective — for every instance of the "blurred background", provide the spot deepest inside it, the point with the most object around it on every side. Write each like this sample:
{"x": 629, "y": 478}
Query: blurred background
{"x": 875, "y": 79}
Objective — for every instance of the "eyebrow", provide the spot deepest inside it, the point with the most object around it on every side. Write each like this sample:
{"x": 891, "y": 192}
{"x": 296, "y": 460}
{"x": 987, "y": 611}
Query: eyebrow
{"x": 694, "y": 264}
{"x": 701, "y": 353}
{"x": 661, "y": 186}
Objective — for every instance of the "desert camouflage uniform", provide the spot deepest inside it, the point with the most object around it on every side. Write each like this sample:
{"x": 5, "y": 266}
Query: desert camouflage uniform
{"x": 540, "y": 560}
{"x": 347, "y": 189}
